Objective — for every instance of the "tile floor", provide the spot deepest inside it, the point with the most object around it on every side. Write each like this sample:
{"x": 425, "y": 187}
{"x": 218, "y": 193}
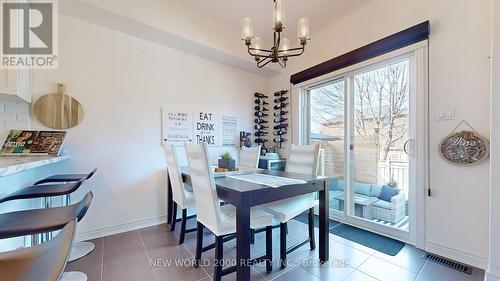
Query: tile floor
{"x": 130, "y": 256}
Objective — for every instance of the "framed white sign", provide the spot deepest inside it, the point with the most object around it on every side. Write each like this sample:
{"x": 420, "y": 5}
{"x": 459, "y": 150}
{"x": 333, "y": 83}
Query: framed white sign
{"x": 180, "y": 127}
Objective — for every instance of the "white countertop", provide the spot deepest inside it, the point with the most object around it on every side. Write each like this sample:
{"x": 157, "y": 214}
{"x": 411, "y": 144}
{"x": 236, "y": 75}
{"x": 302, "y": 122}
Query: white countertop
{"x": 15, "y": 164}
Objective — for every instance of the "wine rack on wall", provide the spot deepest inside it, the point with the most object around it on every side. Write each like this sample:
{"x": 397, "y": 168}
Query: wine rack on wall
{"x": 280, "y": 118}
{"x": 261, "y": 129}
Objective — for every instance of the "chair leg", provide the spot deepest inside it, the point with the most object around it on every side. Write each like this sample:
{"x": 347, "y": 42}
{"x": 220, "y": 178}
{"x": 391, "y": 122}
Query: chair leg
{"x": 174, "y": 216}
{"x": 283, "y": 230}
{"x": 269, "y": 249}
{"x": 199, "y": 244}
{"x": 252, "y": 236}
{"x": 183, "y": 226}
{"x": 219, "y": 250}
{"x": 312, "y": 242}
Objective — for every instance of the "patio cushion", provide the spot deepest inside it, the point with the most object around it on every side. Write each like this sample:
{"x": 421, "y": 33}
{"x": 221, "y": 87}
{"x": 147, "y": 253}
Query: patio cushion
{"x": 382, "y": 204}
{"x": 362, "y": 188}
{"x": 335, "y": 193}
{"x": 387, "y": 192}
{"x": 375, "y": 192}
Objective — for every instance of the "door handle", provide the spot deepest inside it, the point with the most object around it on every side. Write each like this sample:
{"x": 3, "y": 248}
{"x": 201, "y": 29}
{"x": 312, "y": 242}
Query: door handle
{"x": 405, "y": 147}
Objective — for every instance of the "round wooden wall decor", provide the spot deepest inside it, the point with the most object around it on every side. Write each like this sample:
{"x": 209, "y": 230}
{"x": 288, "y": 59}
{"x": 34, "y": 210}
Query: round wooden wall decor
{"x": 464, "y": 148}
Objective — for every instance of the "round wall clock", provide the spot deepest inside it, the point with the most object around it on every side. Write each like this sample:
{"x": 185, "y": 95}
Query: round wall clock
{"x": 464, "y": 148}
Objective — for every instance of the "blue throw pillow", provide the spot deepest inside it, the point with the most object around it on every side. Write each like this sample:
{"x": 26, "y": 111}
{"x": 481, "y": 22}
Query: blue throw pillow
{"x": 387, "y": 192}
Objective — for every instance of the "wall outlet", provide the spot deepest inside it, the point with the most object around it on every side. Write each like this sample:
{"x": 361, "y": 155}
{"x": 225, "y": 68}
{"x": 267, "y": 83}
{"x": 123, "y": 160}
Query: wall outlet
{"x": 445, "y": 113}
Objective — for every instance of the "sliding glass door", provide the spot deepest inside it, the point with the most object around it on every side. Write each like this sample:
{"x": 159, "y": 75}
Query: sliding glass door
{"x": 364, "y": 122}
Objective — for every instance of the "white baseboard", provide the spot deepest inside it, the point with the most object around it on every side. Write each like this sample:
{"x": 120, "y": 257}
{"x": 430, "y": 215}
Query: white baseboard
{"x": 457, "y": 255}
{"x": 119, "y": 228}
{"x": 491, "y": 276}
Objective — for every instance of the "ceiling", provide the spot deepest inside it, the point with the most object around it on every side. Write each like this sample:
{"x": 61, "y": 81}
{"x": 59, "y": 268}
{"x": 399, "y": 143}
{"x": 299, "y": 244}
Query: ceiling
{"x": 230, "y": 12}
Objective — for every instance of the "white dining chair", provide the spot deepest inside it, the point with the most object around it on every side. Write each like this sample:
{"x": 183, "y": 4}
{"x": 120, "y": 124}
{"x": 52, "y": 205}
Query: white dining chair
{"x": 181, "y": 197}
{"x": 220, "y": 220}
{"x": 301, "y": 160}
{"x": 249, "y": 157}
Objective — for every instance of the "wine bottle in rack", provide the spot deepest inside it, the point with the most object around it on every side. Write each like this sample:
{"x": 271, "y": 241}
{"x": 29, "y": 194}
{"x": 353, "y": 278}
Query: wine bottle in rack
{"x": 278, "y": 140}
{"x": 261, "y": 108}
{"x": 280, "y": 93}
{"x": 279, "y": 133}
{"x": 260, "y": 95}
{"x": 282, "y": 105}
{"x": 260, "y": 140}
{"x": 261, "y": 102}
{"x": 261, "y": 114}
{"x": 260, "y": 134}
{"x": 280, "y": 113}
{"x": 261, "y": 121}
{"x": 280, "y": 120}
{"x": 260, "y": 127}
{"x": 281, "y": 126}
{"x": 282, "y": 99}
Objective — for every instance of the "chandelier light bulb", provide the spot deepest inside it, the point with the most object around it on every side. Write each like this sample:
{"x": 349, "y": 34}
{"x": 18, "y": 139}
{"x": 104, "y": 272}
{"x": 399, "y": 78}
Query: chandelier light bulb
{"x": 303, "y": 30}
{"x": 285, "y": 45}
{"x": 247, "y": 29}
{"x": 257, "y": 44}
{"x": 278, "y": 15}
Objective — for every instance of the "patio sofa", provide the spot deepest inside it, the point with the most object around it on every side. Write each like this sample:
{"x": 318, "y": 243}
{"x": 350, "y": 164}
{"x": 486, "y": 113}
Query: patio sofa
{"x": 392, "y": 211}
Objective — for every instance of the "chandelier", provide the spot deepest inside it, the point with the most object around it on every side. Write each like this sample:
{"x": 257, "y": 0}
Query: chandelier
{"x": 281, "y": 50}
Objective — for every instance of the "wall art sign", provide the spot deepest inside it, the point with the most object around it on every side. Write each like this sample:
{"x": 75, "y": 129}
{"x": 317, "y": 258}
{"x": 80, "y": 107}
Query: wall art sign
{"x": 180, "y": 127}
{"x": 464, "y": 148}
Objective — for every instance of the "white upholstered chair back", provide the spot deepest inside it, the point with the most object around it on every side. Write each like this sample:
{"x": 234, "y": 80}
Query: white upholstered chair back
{"x": 249, "y": 157}
{"x": 303, "y": 159}
{"x": 202, "y": 180}
{"x": 178, "y": 191}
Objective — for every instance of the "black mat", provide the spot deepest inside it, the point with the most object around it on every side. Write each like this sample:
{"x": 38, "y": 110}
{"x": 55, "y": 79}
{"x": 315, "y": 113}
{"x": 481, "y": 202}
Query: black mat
{"x": 369, "y": 239}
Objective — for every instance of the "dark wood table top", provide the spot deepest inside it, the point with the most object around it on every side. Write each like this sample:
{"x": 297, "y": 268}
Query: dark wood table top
{"x": 231, "y": 189}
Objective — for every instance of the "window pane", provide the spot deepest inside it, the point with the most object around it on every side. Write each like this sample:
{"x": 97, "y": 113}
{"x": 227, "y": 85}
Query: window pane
{"x": 327, "y": 126}
{"x": 380, "y": 170}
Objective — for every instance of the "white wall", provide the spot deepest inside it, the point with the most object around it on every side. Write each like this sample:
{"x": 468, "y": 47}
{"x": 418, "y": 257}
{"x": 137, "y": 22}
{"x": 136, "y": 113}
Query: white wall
{"x": 457, "y": 214}
{"x": 122, "y": 81}
{"x": 13, "y": 115}
{"x": 493, "y": 272}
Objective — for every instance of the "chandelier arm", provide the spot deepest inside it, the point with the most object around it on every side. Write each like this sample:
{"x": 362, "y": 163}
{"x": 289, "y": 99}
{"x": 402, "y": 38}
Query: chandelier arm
{"x": 291, "y": 50}
{"x": 291, "y": 55}
{"x": 258, "y": 55}
{"x": 282, "y": 63}
{"x": 264, "y": 62}
{"x": 262, "y": 50}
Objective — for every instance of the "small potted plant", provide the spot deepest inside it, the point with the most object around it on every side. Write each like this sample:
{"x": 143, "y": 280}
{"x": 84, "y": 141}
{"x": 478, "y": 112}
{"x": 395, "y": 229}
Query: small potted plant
{"x": 226, "y": 161}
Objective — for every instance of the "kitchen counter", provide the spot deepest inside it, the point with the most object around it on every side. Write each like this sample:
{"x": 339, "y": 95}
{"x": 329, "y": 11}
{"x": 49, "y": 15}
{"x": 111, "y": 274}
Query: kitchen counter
{"x": 15, "y": 164}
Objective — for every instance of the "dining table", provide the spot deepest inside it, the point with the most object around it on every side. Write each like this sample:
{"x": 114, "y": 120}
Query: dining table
{"x": 245, "y": 195}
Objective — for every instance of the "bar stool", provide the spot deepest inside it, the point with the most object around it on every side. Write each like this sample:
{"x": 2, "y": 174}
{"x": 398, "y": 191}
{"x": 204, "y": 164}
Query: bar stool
{"x": 43, "y": 262}
{"x": 80, "y": 249}
{"x": 36, "y": 221}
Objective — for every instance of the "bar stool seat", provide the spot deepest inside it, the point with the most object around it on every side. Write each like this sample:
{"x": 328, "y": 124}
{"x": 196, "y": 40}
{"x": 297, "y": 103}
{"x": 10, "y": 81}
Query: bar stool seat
{"x": 80, "y": 249}
{"x": 66, "y": 178}
{"x": 44, "y": 262}
{"x": 29, "y": 222}
{"x": 39, "y": 191}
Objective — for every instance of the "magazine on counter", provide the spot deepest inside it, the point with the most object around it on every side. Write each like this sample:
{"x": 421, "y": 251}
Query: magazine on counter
{"x": 26, "y": 142}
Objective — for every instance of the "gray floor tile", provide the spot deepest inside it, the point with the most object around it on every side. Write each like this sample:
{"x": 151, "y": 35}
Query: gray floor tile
{"x": 410, "y": 259}
{"x": 297, "y": 274}
{"x": 121, "y": 249}
{"x": 433, "y": 271}
{"x": 360, "y": 276}
{"x": 126, "y": 269}
{"x": 333, "y": 270}
{"x": 386, "y": 271}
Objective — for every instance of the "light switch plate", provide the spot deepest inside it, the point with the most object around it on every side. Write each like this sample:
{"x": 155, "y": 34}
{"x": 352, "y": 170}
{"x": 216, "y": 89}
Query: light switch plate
{"x": 445, "y": 113}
